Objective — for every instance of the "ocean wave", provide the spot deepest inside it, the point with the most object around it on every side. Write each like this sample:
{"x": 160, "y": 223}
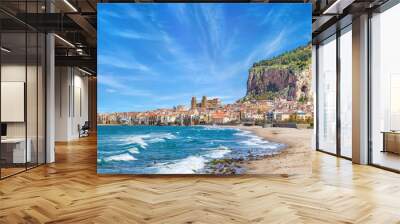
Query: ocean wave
{"x": 219, "y": 152}
{"x": 256, "y": 141}
{"x": 243, "y": 133}
{"x": 164, "y": 135}
{"x": 137, "y": 139}
{"x": 154, "y": 140}
{"x": 144, "y": 140}
{"x": 206, "y": 127}
{"x": 120, "y": 157}
{"x": 188, "y": 165}
{"x": 103, "y": 152}
{"x": 133, "y": 150}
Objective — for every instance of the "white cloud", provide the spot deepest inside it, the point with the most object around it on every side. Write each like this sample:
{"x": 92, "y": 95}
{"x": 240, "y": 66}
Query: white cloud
{"x": 121, "y": 62}
{"x": 180, "y": 13}
{"x": 115, "y": 83}
{"x": 273, "y": 17}
{"x": 130, "y": 34}
{"x": 267, "y": 48}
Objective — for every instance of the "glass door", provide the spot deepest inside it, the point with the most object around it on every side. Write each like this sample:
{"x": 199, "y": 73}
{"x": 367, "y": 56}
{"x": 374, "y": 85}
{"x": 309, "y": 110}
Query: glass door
{"x": 385, "y": 89}
{"x": 346, "y": 92}
{"x": 327, "y": 95}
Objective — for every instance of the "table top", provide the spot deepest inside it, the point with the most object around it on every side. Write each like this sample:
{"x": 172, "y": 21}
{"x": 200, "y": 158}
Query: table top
{"x": 13, "y": 140}
{"x": 391, "y": 132}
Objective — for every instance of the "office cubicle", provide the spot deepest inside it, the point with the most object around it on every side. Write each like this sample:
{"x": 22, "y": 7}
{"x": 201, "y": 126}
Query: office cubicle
{"x": 22, "y": 77}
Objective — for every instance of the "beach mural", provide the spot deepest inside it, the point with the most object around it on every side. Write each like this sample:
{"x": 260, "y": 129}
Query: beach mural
{"x": 204, "y": 88}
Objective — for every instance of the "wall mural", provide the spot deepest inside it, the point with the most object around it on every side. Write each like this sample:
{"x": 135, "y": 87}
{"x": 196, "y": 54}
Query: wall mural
{"x": 204, "y": 88}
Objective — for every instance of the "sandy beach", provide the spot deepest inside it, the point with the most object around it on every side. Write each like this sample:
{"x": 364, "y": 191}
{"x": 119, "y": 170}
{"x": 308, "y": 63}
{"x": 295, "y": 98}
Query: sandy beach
{"x": 295, "y": 159}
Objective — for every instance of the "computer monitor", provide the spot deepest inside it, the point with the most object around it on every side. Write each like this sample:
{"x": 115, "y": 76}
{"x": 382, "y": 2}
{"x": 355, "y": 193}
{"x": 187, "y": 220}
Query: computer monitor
{"x": 3, "y": 129}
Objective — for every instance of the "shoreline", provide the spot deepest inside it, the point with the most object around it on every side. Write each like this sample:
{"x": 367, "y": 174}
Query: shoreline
{"x": 295, "y": 158}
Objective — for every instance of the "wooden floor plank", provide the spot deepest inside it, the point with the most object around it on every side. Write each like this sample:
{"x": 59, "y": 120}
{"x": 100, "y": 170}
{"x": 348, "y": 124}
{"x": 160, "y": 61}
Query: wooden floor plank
{"x": 70, "y": 191}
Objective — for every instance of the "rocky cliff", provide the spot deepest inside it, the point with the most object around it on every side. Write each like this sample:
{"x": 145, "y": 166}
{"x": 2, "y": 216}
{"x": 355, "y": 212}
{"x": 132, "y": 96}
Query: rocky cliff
{"x": 286, "y": 76}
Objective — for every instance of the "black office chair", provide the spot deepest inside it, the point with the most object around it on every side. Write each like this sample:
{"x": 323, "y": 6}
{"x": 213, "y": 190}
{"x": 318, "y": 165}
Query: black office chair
{"x": 84, "y": 130}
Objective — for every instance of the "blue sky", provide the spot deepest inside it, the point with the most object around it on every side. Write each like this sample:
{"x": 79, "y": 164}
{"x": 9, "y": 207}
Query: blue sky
{"x": 160, "y": 55}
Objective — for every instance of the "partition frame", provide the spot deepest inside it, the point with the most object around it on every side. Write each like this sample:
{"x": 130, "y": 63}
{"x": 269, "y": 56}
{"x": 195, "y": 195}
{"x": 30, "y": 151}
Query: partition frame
{"x": 387, "y": 5}
{"x": 44, "y": 94}
{"x": 337, "y": 34}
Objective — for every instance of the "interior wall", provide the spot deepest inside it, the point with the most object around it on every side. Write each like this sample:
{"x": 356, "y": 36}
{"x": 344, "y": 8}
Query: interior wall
{"x": 15, "y": 73}
{"x": 32, "y": 127}
{"x": 61, "y": 103}
{"x": 80, "y": 102}
{"x": 71, "y": 102}
{"x": 92, "y": 98}
{"x": 360, "y": 90}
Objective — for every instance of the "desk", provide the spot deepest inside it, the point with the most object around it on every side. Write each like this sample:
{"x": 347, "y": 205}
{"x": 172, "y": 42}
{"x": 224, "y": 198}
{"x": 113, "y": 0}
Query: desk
{"x": 391, "y": 141}
{"x": 16, "y": 147}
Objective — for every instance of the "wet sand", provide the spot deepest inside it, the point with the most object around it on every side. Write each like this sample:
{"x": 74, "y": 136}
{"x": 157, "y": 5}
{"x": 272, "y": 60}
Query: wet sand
{"x": 295, "y": 159}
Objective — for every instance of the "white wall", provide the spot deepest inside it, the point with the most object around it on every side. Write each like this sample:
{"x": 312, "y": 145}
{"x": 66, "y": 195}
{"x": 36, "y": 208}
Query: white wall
{"x": 71, "y": 103}
{"x": 10, "y": 73}
{"x": 33, "y": 126}
{"x": 62, "y": 82}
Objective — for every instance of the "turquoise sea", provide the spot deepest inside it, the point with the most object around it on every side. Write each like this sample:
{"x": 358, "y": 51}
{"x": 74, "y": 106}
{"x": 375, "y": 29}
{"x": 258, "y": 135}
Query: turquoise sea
{"x": 173, "y": 149}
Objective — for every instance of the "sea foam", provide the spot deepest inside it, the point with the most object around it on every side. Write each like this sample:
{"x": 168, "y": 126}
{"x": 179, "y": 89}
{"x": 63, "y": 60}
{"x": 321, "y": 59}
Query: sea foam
{"x": 188, "y": 165}
{"x": 254, "y": 140}
{"x": 144, "y": 140}
{"x": 133, "y": 150}
{"x": 120, "y": 157}
{"x": 137, "y": 139}
{"x": 219, "y": 152}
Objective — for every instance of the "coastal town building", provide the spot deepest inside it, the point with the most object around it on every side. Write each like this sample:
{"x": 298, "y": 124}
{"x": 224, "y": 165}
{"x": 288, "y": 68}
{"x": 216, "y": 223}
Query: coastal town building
{"x": 212, "y": 111}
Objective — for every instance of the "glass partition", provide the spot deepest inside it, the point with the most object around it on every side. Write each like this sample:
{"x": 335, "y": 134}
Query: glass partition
{"x": 385, "y": 89}
{"x": 346, "y": 92}
{"x": 23, "y": 91}
{"x": 14, "y": 153}
{"x": 327, "y": 95}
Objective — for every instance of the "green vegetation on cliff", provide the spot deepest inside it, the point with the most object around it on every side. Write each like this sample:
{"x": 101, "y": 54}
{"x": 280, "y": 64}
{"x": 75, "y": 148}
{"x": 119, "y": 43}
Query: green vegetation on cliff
{"x": 295, "y": 60}
{"x": 284, "y": 76}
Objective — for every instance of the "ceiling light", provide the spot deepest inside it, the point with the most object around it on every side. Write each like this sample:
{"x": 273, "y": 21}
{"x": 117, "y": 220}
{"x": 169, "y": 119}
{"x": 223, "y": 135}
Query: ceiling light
{"x": 79, "y": 51}
{"x": 5, "y": 50}
{"x": 70, "y": 5}
{"x": 84, "y": 71}
{"x": 64, "y": 40}
{"x": 337, "y": 7}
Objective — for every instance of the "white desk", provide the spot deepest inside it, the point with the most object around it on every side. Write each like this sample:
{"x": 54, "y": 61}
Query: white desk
{"x": 19, "y": 152}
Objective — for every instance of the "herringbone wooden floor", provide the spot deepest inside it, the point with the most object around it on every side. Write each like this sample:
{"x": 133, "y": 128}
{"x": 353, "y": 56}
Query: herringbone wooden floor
{"x": 70, "y": 191}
